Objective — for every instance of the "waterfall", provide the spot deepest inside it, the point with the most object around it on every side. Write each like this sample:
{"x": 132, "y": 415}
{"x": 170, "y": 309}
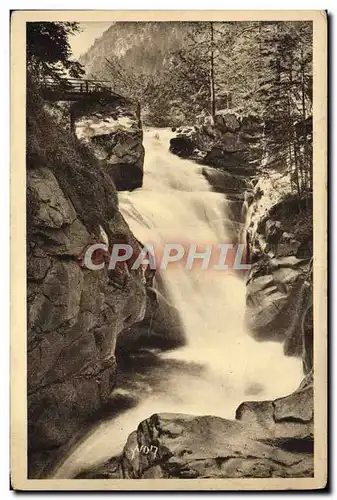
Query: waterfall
{"x": 221, "y": 365}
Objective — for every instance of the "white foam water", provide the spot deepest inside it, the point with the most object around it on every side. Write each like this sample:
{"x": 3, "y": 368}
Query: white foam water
{"x": 176, "y": 204}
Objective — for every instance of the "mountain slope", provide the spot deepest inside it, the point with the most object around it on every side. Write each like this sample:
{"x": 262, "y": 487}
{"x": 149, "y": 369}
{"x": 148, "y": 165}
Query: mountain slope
{"x": 143, "y": 46}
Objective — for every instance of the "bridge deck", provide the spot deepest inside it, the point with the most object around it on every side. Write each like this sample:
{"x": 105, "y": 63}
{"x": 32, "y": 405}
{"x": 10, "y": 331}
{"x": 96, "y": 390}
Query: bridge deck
{"x": 75, "y": 88}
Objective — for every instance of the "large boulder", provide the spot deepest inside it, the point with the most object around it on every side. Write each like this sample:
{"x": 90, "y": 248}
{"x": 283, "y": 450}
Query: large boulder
{"x": 184, "y": 143}
{"x": 273, "y": 289}
{"x": 267, "y": 439}
{"x": 227, "y": 121}
{"x": 230, "y": 142}
{"x": 111, "y": 127}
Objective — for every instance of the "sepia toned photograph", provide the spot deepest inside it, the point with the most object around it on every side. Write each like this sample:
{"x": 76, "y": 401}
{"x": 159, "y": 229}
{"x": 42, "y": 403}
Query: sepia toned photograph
{"x": 169, "y": 240}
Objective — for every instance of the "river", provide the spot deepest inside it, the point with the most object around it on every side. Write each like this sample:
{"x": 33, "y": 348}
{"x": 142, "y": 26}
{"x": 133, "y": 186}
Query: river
{"x": 221, "y": 365}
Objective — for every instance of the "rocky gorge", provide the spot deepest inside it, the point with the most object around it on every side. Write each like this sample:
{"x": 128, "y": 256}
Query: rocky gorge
{"x": 78, "y": 320}
{"x": 267, "y": 438}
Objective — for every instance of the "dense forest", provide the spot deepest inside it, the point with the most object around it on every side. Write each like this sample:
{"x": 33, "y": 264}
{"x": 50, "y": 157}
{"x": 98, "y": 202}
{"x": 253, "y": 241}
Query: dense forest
{"x": 184, "y": 73}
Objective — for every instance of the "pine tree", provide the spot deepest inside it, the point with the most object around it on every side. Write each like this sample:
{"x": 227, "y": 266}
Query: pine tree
{"x": 49, "y": 52}
{"x": 285, "y": 99}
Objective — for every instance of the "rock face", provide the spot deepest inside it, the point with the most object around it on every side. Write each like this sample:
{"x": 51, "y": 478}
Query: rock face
{"x": 237, "y": 189}
{"x": 74, "y": 314}
{"x": 279, "y": 286}
{"x": 184, "y": 144}
{"x": 111, "y": 128}
{"x": 267, "y": 439}
{"x": 230, "y": 143}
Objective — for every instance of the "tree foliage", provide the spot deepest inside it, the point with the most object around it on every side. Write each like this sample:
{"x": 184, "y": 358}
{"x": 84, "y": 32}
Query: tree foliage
{"x": 259, "y": 68}
{"x": 49, "y": 52}
{"x": 253, "y": 68}
{"x": 284, "y": 98}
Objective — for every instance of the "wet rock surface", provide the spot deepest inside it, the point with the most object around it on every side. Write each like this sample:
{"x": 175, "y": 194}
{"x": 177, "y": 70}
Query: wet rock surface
{"x": 267, "y": 439}
{"x": 230, "y": 149}
{"x": 279, "y": 285}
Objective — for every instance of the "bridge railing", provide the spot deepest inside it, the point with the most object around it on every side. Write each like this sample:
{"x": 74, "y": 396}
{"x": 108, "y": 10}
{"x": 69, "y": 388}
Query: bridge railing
{"x": 78, "y": 86}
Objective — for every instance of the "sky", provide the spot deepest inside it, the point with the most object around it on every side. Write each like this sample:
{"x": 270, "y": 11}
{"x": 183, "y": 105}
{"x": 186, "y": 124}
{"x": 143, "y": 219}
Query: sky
{"x": 90, "y": 31}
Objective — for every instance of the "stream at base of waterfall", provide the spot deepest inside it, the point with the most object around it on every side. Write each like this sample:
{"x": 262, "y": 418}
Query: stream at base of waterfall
{"x": 221, "y": 365}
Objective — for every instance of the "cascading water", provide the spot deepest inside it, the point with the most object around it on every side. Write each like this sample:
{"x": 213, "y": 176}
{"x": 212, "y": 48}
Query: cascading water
{"x": 221, "y": 365}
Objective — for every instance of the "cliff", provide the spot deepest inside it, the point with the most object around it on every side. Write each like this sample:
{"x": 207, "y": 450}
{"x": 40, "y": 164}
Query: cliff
{"x": 75, "y": 315}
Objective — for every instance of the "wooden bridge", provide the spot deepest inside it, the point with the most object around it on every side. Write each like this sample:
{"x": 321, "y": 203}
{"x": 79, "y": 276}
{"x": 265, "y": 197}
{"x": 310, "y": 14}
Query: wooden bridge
{"x": 72, "y": 89}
